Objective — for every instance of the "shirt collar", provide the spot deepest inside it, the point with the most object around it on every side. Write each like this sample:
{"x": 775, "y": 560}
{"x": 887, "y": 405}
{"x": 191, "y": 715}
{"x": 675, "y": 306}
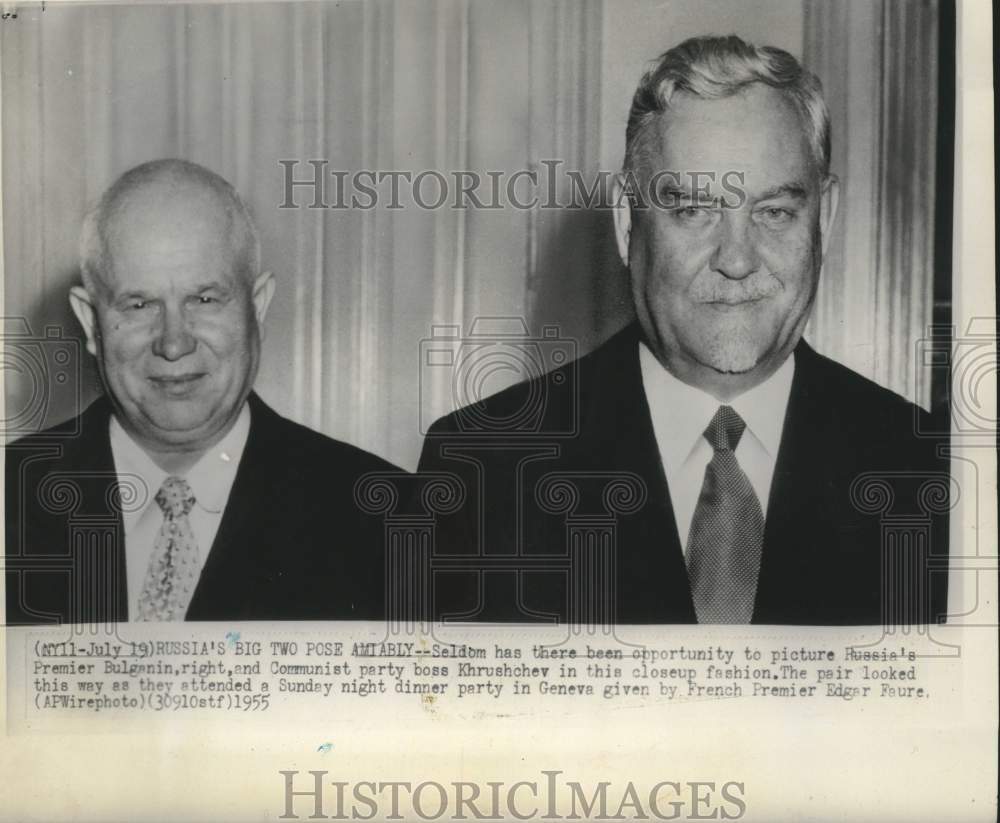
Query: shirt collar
{"x": 211, "y": 478}
{"x": 689, "y": 409}
{"x": 763, "y": 407}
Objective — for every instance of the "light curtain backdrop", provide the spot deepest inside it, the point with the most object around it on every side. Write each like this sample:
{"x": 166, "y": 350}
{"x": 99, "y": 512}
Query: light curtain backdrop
{"x": 89, "y": 91}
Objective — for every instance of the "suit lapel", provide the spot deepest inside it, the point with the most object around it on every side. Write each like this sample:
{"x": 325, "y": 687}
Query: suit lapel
{"x": 795, "y": 501}
{"x": 234, "y": 562}
{"x": 652, "y": 578}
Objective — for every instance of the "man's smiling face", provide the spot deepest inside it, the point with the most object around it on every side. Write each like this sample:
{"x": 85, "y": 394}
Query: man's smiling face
{"x": 720, "y": 288}
{"x": 177, "y": 332}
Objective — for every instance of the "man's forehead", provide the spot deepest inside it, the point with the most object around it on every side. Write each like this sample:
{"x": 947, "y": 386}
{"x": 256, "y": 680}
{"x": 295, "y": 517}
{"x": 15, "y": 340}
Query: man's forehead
{"x": 755, "y": 133}
{"x": 147, "y": 243}
{"x": 165, "y": 207}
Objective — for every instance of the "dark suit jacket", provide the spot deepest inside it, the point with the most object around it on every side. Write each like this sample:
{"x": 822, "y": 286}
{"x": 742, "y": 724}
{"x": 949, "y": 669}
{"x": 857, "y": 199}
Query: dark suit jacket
{"x": 292, "y": 542}
{"x": 856, "y": 524}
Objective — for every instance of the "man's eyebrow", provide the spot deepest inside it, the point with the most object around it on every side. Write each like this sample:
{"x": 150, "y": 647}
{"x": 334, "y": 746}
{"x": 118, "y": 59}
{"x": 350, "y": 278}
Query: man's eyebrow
{"x": 131, "y": 294}
{"x": 675, "y": 192}
{"x": 795, "y": 190}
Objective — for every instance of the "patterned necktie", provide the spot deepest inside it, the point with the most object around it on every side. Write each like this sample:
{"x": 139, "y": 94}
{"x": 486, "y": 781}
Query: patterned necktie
{"x": 173, "y": 568}
{"x": 727, "y": 531}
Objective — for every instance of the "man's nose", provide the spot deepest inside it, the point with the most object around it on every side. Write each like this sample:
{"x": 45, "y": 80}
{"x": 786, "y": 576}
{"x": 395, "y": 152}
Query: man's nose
{"x": 735, "y": 255}
{"x": 174, "y": 339}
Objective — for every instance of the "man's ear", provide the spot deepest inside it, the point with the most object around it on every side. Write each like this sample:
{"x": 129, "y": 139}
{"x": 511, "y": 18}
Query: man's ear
{"x": 621, "y": 206}
{"x": 83, "y": 307}
{"x": 263, "y": 291}
{"x": 829, "y": 198}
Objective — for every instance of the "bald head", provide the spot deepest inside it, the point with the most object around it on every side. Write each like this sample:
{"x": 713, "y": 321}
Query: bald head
{"x": 173, "y": 305}
{"x": 161, "y": 196}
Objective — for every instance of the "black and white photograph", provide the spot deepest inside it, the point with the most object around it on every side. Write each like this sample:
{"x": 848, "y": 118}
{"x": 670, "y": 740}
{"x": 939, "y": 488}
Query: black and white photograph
{"x": 420, "y": 349}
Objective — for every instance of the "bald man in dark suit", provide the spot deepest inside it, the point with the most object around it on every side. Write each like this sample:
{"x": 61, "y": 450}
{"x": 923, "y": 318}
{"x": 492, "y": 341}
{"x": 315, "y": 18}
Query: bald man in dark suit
{"x": 180, "y": 494}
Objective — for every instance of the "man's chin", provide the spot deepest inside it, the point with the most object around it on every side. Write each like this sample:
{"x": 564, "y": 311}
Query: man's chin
{"x": 736, "y": 349}
{"x": 732, "y": 368}
{"x": 732, "y": 360}
{"x": 181, "y": 432}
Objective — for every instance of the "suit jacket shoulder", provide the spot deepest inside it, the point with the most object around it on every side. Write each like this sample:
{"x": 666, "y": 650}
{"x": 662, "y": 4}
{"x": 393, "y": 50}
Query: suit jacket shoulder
{"x": 292, "y": 542}
{"x": 883, "y": 411}
{"x": 554, "y": 404}
{"x": 307, "y": 451}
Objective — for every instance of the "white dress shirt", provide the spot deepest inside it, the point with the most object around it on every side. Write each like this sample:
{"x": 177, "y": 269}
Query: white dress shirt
{"x": 211, "y": 480}
{"x": 681, "y": 413}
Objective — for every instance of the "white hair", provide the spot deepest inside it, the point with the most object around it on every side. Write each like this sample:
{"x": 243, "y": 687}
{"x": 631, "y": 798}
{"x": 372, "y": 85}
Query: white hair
{"x": 717, "y": 67}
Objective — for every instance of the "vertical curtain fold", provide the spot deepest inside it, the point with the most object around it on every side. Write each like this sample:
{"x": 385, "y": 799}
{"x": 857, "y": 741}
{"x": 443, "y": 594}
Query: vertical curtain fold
{"x": 875, "y": 299}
